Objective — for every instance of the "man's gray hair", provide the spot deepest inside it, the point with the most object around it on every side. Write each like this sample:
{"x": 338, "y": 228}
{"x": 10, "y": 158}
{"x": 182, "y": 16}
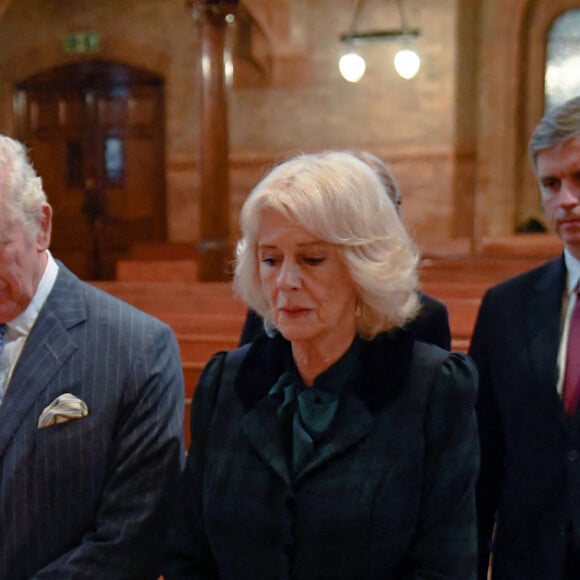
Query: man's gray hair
{"x": 19, "y": 181}
{"x": 558, "y": 125}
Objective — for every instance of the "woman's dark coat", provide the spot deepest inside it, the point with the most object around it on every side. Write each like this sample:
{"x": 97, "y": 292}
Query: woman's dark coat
{"x": 390, "y": 494}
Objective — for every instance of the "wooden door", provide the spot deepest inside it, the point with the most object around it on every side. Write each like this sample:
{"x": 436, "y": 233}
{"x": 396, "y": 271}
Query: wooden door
{"x": 95, "y": 132}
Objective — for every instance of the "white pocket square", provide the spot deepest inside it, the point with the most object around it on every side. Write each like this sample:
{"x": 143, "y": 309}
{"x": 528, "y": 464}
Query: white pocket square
{"x": 65, "y": 407}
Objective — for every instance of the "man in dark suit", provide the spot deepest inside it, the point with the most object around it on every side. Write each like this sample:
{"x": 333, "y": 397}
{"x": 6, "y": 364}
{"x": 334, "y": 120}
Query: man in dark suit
{"x": 432, "y": 323}
{"x": 91, "y": 409}
{"x": 528, "y": 496}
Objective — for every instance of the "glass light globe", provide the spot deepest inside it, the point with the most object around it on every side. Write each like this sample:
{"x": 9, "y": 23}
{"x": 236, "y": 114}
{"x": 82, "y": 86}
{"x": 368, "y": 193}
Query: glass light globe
{"x": 407, "y": 63}
{"x": 352, "y": 67}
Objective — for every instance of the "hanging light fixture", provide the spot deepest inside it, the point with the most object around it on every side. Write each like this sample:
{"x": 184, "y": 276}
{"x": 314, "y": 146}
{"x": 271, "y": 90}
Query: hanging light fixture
{"x": 406, "y": 61}
{"x": 352, "y": 67}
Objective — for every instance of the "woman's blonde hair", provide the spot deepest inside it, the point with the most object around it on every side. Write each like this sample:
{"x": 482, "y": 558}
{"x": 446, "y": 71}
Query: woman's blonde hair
{"x": 340, "y": 200}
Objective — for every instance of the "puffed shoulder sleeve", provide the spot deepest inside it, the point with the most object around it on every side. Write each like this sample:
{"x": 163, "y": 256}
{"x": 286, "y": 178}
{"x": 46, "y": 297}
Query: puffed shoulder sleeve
{"x": 446, "y": 545}
{"x": 456, "y": 380}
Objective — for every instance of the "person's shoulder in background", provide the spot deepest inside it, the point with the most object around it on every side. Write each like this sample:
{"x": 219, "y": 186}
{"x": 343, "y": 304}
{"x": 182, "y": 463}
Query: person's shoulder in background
{"x": 432, "y": 323}
{"x": 253, "y": 327}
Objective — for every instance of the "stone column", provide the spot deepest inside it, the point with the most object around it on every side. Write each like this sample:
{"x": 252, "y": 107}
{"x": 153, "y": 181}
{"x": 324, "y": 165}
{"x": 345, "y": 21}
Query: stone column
{"x": 4, "y": 4}
{"x": 214, "y": 246}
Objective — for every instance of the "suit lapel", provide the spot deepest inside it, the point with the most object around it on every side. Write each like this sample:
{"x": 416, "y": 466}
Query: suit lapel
{"x": 543, "y": 315}
{"x": 47, "y": 348}
{"x": 262, "y": 428}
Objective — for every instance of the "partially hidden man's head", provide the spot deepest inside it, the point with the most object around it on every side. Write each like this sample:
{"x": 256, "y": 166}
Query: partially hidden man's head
{"x": 385, "y": 174}
{"x": 25, "y": 227}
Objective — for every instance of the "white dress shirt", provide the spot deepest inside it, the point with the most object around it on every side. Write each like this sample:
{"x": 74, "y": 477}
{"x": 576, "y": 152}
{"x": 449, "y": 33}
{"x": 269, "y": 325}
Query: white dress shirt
{"x": 568, "y": 303}
{"x": 19, "y": 328}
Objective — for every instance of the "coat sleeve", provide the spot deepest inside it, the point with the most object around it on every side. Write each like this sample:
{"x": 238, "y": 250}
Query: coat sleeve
{"x": 490, "y": 436}
{"x": 189, "y": 555}
{"x": 445, "y": 542}
{"x": 131, "y": 521}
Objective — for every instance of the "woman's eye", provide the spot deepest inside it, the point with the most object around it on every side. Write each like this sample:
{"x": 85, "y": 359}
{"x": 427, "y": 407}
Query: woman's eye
{"x": 268, "y": 260}
{"x": 314, "y": 260}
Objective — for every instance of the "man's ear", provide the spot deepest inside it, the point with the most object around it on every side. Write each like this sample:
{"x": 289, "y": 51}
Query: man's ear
{"x": 43, "y": 237}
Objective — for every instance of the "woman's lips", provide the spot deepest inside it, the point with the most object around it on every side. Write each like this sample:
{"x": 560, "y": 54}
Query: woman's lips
{"x": 292, "y": 310}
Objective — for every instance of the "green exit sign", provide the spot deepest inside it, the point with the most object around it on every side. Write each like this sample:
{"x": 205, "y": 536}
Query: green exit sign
{"x": 81, "y": 42}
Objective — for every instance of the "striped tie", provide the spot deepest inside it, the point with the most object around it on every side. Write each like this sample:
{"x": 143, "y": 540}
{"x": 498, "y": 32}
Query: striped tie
{"x": 572, "y": 376}
{"x": 3, "y": 370}
{"x": 3, "y": 328}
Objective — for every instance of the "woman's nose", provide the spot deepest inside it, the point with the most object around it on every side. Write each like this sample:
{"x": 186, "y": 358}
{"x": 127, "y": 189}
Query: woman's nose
{"x": 289, "y": 275}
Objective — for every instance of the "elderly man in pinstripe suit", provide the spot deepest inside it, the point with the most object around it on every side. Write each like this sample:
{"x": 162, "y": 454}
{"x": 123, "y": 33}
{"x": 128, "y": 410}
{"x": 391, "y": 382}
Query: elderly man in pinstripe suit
{"x": 91, "y": 395}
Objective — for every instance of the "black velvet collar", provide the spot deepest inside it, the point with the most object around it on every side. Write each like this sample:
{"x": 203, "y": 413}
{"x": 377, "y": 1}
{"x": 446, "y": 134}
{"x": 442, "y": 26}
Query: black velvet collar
{"x": 385, "y": 362}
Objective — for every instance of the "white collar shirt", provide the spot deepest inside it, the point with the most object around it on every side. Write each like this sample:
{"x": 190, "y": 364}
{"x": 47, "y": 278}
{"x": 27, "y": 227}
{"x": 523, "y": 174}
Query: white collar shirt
{"x": 568, "y": 303}
{"x": 19, "y": 328}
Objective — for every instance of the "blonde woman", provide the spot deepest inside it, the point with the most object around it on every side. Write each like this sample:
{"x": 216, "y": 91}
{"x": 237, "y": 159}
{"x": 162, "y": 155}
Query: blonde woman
{"x": 339, "y": 448}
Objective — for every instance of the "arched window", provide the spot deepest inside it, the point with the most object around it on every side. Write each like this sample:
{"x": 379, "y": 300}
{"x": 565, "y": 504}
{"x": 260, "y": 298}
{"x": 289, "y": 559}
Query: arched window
{"x": 562, "y": 77}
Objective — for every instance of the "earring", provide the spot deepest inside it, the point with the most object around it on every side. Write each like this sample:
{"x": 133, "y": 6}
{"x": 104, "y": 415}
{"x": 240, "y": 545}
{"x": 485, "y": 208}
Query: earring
{"x": 357, "y": 311}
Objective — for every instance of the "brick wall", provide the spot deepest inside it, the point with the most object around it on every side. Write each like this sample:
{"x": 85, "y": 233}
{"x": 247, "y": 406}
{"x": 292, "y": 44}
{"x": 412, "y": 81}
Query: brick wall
{"x": 301, "y": 103}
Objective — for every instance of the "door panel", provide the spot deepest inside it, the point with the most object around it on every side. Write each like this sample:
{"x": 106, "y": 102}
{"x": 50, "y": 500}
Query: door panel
{"x": 98, "y": 145}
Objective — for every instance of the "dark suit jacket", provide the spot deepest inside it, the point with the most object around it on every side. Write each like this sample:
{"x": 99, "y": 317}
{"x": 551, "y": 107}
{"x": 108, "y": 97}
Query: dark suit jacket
{"x": 530, "y": 470}
{"x": 390, "y": 494}
{"x": 431, "y": 325}
{"x": 89, "y": 498}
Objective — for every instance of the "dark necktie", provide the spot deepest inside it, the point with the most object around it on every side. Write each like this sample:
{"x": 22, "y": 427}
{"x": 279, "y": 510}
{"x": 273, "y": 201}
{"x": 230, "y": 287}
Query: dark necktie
{"x": 571, "y": 390}
{"x": 3, "y": 328}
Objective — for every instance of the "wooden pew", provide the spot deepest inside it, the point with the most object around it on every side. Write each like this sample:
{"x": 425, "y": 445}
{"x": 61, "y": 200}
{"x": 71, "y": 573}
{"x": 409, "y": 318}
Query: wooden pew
{"x": 180, "y": 297}
{"x": 163, "y": 251}
{"x": 541, "y": 245}
{"x": 200, "y": 347}
{"x": 454, "y": 288}
{"x": 160, "y": 261}
{"x": 207, "y": 317}
{"x": 172, "y": 270}
{"x": 445, "y": 248}
{"x": 482, "y": 269}
{"x": 462, "y": 314}
{"x": 532, "y": 245}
